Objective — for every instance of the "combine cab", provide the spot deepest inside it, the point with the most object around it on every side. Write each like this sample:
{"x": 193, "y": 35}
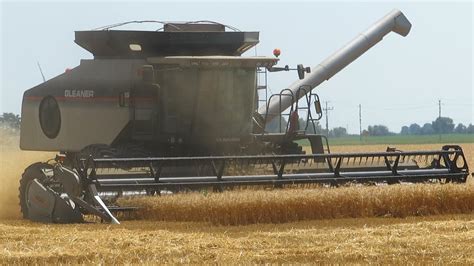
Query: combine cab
{"x": 181, "y": 109}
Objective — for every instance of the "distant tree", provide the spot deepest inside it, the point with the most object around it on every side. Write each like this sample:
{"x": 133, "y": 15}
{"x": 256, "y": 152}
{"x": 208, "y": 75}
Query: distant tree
{"x": 405, "y": 130}
{"x": 338, "y": 132}
{"x": 310, "y": 129}
{"x": 274, "y": 125}
{"x": 10, "y": 120}
{"x": 317, "y": 126}
{"x": 427, "y": 129}
{"x": 415, "y": 129}
{"x": 470, "y": 129}
{"x": 365, "y": 133}
{"x": 460, "y": 129}
{"x": 301, "y": 123}
{"x": 378, "y": 130}
{"x": 443, "y": 125}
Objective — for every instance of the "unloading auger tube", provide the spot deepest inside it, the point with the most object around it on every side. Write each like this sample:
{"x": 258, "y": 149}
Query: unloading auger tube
{"x": 394, "y": 21}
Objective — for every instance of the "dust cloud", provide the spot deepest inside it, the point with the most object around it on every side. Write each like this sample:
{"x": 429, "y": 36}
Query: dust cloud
{"x": 13, "y": 161}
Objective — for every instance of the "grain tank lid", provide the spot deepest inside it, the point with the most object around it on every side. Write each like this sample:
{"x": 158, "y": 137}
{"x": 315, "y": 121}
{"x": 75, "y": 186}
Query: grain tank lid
{"x": 215, "y": 61}
{"x": 143, "y": 44}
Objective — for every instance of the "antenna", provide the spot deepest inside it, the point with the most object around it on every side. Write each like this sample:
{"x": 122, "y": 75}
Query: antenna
{"x": 41, "y": 71}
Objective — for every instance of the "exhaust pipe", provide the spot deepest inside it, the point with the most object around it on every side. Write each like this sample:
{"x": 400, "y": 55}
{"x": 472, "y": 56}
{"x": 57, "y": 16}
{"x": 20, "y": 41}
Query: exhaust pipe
{"x": 394, "y": 21}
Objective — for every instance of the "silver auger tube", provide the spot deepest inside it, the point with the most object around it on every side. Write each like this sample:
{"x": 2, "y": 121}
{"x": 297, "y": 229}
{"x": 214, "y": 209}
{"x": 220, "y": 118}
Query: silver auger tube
{"x": 394, "y": 21}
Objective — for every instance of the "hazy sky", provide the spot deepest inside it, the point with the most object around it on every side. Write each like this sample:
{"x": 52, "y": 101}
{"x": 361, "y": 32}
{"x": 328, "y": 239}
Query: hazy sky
{"x": 397, "y": 82}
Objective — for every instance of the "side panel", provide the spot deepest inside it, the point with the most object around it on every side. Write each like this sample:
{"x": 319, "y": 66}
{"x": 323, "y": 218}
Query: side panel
{"x": 88, "y": 99}
{"x": 203, "y": 105}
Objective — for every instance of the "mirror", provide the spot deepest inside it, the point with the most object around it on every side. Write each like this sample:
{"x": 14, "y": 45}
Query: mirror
{"x": 317, "y": 106}
{"x": 301, "y": 70}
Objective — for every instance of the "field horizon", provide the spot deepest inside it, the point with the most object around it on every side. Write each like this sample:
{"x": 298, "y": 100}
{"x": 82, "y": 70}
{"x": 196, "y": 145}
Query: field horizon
{"x": 355, "y": 140}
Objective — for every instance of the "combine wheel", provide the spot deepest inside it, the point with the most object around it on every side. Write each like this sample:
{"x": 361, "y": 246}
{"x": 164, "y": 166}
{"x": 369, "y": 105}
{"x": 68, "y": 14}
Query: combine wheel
{"x": 41, "y": 199}
{"x": 34, "y": 171}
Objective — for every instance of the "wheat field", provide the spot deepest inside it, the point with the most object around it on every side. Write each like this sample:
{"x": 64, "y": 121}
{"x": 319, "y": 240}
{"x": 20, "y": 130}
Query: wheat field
{"x": 394, "y": 224}
{"x": 288, "y": 205}
{"x": 413, "y": 240}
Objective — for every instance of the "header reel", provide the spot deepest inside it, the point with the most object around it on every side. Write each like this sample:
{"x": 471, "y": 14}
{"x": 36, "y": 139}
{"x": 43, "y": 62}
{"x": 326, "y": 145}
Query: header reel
{"x": 62, "y": 194}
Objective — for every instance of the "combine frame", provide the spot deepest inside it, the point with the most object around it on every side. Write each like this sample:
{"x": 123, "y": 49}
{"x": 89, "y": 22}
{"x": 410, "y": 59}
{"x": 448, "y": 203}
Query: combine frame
{"x": 99, "y": 164}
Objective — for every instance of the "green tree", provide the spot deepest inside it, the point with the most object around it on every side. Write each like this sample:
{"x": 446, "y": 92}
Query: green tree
{"x": 443, "y": 125}
{"x": 414, "y": 129}
{"x": 378, "y": 130}
{"x": 11, "y": 120}
{"x": 310, "y": 129}
{"x": 470, "y": 129}
{"x": 427, "y": 129}
{"x": 338, "y": 132}
{"x": 460, "y": 128}
{"x": 275, "y": 127}
{"x": 405, "y": 130}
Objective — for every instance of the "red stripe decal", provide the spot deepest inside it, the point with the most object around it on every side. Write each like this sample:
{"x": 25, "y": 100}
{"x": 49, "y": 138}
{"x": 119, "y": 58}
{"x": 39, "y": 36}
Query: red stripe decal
{"x": 92, "y": 99}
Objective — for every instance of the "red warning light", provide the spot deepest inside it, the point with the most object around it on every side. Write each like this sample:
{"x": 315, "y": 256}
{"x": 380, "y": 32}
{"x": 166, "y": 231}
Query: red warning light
{"x": 276, "y": 52}
{"x": 67, "y": 70}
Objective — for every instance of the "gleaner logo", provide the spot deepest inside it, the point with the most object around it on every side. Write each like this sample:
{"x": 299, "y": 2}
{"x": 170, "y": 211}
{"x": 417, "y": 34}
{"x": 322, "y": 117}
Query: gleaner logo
{"x": 79, "y": 93}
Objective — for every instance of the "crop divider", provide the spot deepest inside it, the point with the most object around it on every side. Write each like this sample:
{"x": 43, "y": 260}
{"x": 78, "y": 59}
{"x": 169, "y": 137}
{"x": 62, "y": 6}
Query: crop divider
{"x": 218, "y": 172}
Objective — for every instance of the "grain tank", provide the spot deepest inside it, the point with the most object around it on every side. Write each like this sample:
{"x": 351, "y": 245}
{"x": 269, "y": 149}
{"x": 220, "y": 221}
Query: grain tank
{"x": 185, "y": 89}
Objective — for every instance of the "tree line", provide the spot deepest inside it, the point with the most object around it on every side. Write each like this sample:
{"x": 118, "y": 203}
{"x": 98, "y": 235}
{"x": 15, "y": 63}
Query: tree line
{"x": 10, "y": 120}
{"x": 442, "y": 125}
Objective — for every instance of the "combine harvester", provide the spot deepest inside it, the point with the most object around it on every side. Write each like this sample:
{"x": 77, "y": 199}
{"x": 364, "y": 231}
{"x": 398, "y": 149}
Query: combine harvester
{"x": 179, "y": 109}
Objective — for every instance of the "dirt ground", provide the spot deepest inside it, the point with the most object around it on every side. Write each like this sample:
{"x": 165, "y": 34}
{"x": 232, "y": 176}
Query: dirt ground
{"x": 420, "y": 239}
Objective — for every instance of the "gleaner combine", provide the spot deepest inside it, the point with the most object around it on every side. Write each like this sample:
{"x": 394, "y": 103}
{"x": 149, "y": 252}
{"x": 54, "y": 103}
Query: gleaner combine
{"x": 179, "y": 109}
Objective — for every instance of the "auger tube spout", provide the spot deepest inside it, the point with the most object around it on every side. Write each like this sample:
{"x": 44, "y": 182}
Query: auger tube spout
{"x": 394, "y": 21}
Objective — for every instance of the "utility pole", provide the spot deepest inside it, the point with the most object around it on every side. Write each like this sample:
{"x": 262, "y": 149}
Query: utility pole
{"x": 360, "y": 122}
{"x": 326, "y": 109}
{"x": 439, "y": 108}
{"x": 439, "y": 117}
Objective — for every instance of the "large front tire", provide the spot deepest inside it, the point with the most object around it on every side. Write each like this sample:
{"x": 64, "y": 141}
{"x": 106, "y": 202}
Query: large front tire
{"x": 43, "y": 201}
{"x": 32, "y": 172}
